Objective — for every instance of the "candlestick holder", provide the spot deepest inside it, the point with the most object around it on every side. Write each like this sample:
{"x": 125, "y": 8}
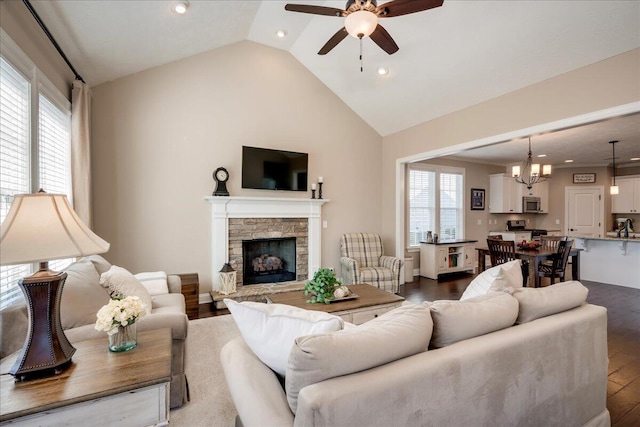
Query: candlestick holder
{"x": 319, "y": 190}
{"x": 313, "y": 194}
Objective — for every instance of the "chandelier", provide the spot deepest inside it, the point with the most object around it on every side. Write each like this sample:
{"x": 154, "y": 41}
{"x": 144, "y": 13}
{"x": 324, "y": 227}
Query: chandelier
{"x": 529, "y": 173}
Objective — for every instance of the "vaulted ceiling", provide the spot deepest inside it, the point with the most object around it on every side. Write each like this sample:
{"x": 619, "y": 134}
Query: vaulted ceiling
{"x": 450, "y": 57}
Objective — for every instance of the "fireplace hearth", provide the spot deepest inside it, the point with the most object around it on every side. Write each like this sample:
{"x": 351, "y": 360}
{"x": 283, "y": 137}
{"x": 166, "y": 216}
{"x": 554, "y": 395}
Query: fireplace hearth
{"x": 269, "y": 260}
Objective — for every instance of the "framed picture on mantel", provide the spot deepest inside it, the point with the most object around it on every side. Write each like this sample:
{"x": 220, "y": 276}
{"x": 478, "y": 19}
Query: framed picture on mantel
{"x": 584, "y": 178}
{"x": 477, "y": 199}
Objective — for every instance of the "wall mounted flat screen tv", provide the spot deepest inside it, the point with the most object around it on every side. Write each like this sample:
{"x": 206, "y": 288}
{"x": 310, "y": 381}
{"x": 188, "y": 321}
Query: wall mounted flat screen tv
{"x": 266, "y": 169}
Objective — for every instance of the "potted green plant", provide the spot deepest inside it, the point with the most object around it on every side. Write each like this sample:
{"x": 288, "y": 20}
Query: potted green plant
{"x": 321, "y": 287}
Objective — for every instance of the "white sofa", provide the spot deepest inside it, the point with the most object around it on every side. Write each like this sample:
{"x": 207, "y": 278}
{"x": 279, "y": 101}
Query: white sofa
{"x": 551, "y": 371}
{"x": 82, "y": 297}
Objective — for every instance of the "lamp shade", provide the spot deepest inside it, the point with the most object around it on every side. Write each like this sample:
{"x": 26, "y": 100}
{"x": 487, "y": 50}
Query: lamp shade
{"x": 42, "y": 227}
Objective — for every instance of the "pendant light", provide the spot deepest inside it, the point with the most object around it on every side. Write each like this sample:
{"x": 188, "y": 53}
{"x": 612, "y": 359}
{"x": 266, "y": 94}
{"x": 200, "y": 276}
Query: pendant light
{"x": 614, "y": 189}
{"x": 529, "y": 173}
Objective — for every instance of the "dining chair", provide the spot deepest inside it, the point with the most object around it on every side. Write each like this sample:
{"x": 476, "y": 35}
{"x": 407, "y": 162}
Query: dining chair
{"x": 558, "y": 264}
{"x": 551, "y": 241}
{"x": 501, "y": 251}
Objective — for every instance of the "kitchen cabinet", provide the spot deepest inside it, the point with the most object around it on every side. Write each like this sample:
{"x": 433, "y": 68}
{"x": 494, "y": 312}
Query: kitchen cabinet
{"x": 516, "y": 236}
{"x": 628, "y": 198}
{"x": 446, "y": 257}
{"x": 505, "y": 194}
{"x": 540, "y": 190}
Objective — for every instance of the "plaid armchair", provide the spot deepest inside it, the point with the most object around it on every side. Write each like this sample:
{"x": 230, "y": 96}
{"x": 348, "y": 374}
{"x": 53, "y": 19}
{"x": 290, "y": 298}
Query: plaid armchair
{"x": 362, "y": 261}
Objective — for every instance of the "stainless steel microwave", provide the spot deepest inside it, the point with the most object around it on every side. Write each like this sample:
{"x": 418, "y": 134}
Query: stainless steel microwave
{"x": 531, "y": 205}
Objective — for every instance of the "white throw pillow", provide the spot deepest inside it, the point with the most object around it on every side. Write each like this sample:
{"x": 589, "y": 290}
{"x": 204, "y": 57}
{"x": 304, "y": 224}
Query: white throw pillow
{"x": 155, "y": 282}
{"x": 455, "y": 321}
{"x": 507, "y": 275}
{"x": 541, "y": 302}
{"x": 399, "y": 333}
{"x": 270, "y": 330}
{"x": 120, "y": 280}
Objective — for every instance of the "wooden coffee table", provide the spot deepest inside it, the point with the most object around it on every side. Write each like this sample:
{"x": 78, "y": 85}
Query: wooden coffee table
{"x": 371, "y": 303}
{"x": 98, "y": 389}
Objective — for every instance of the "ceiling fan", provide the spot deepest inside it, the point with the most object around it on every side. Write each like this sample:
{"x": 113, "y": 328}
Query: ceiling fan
{"x": 361, "y": 19}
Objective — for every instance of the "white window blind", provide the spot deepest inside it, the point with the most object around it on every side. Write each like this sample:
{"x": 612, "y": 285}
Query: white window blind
{"x": 14, "y": 161}
{"x": 54, "y": 155}
{"x": 451, "y": 206}
{"x": 422, "y": 204}
{"x": 436, "y": 202}
{"x": 21, "y": 170}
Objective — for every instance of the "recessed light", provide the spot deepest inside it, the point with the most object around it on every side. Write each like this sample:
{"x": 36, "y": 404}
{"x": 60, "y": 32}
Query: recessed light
{"x": 568, "y": 161}
{"x": 180, "y": 7}
{"x": 383, "y": 71}
{"x": 633, "y": 159}
{"x": 281, "y": 33}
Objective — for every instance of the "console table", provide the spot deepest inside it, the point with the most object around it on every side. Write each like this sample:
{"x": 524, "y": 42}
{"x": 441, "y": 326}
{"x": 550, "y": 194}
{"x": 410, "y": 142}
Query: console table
{"x": 98, "y": 389}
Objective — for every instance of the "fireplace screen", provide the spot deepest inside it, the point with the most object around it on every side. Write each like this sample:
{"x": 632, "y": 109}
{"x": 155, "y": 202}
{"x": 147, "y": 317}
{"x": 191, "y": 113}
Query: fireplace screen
{"x": 269, "y": 260}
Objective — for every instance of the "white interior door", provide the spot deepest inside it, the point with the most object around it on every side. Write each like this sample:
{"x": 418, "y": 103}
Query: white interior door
{"x": 584, "y": 211}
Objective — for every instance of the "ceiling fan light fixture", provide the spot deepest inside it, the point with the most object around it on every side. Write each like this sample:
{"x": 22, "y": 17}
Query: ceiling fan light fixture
{"x": 361, "y": 24}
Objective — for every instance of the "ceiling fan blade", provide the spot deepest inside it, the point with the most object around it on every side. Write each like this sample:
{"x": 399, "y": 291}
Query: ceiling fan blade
{"x": 405, "y": 7}
{"x": 333, "y": 41}
{"x": 316, "y": 10}
{"x": 382, "y": 38}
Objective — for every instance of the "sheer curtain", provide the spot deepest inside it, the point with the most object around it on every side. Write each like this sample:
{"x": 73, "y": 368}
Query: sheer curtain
{"x": 81, "y": 150}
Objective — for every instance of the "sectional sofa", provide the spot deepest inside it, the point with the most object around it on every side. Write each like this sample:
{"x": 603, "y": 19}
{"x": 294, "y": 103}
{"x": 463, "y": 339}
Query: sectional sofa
{"x": 525, "y": 357}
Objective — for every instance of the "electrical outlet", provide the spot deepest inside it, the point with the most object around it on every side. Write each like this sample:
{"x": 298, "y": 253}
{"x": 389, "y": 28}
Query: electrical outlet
{"x": 479, "y": 222}
{"x": 557, "y": 222}
{"x": 324, "y": 224}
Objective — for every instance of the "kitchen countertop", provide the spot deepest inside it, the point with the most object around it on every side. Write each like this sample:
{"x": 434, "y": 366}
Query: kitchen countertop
{"x": 450, "y": 242}
{"x": 614, "y": 239}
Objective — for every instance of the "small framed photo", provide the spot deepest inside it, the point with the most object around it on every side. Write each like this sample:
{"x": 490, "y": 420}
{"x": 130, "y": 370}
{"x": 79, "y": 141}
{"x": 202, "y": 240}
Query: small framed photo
{"x": 584, "y": 178}
{"x": 477, "y": 199}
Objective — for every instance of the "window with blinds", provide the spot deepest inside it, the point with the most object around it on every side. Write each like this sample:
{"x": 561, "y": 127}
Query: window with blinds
{"x": 14, "y": 161}
{"x": 422, "y": 203}
{"x": 451, "y": 206}
{"x": 436, "y": 203}
{"x": 20, "y": 170}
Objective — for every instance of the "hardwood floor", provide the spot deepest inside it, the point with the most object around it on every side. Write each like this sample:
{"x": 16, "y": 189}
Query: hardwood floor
{"x": 623, "y": 312}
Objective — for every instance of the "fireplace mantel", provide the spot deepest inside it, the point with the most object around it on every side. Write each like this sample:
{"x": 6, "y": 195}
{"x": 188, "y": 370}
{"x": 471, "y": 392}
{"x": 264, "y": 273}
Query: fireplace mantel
{"x": 223, "y": 208}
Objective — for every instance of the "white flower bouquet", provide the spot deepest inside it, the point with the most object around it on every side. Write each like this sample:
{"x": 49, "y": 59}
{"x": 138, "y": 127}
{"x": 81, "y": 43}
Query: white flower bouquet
{"x": 121, "y": 311}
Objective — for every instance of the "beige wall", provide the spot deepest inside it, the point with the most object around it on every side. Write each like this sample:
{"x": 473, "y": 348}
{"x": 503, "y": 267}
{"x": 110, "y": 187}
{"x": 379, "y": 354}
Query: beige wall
{"x": 602, "y": 85}
{"x": 16, "y": 20}
{"x": 158, "y": 135}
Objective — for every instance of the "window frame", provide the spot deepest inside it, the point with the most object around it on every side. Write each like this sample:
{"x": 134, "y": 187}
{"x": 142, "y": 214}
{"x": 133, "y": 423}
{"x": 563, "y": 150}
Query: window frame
{"x": 40, "y": 85}
{"x": 437, "y": 170}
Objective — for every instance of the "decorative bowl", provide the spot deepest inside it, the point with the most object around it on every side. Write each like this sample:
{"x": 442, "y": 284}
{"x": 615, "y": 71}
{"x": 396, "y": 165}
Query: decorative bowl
{"x": 529, "y": 245}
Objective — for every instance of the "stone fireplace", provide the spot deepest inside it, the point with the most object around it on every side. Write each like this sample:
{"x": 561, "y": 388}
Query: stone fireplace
{"x": 257, "y": 244}
{"x": 235, "y": 220}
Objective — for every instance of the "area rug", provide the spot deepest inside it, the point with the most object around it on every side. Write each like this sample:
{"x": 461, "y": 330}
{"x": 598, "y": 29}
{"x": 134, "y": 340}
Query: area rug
{"x": 211, "y": 403}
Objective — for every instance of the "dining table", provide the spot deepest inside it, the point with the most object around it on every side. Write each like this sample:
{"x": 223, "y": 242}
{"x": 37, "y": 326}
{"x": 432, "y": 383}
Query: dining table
{"x": 534, "y": 257}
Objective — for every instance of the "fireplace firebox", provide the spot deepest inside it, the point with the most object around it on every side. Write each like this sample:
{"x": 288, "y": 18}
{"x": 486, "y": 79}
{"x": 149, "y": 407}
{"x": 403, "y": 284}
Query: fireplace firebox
{"x": 270, "y": 260}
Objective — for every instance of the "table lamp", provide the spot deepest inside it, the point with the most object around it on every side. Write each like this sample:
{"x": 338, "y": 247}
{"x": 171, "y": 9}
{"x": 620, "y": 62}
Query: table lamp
{"x": 38, "y": 228}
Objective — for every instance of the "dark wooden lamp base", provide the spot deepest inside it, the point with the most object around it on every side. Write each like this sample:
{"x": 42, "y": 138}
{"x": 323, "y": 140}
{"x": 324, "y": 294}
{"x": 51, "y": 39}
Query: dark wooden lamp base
{"x": 46, "y": 350}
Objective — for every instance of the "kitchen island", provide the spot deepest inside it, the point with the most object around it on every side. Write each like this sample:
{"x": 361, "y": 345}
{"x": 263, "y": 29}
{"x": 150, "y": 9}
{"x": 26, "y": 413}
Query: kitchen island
{"x": 612, "y": 260}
